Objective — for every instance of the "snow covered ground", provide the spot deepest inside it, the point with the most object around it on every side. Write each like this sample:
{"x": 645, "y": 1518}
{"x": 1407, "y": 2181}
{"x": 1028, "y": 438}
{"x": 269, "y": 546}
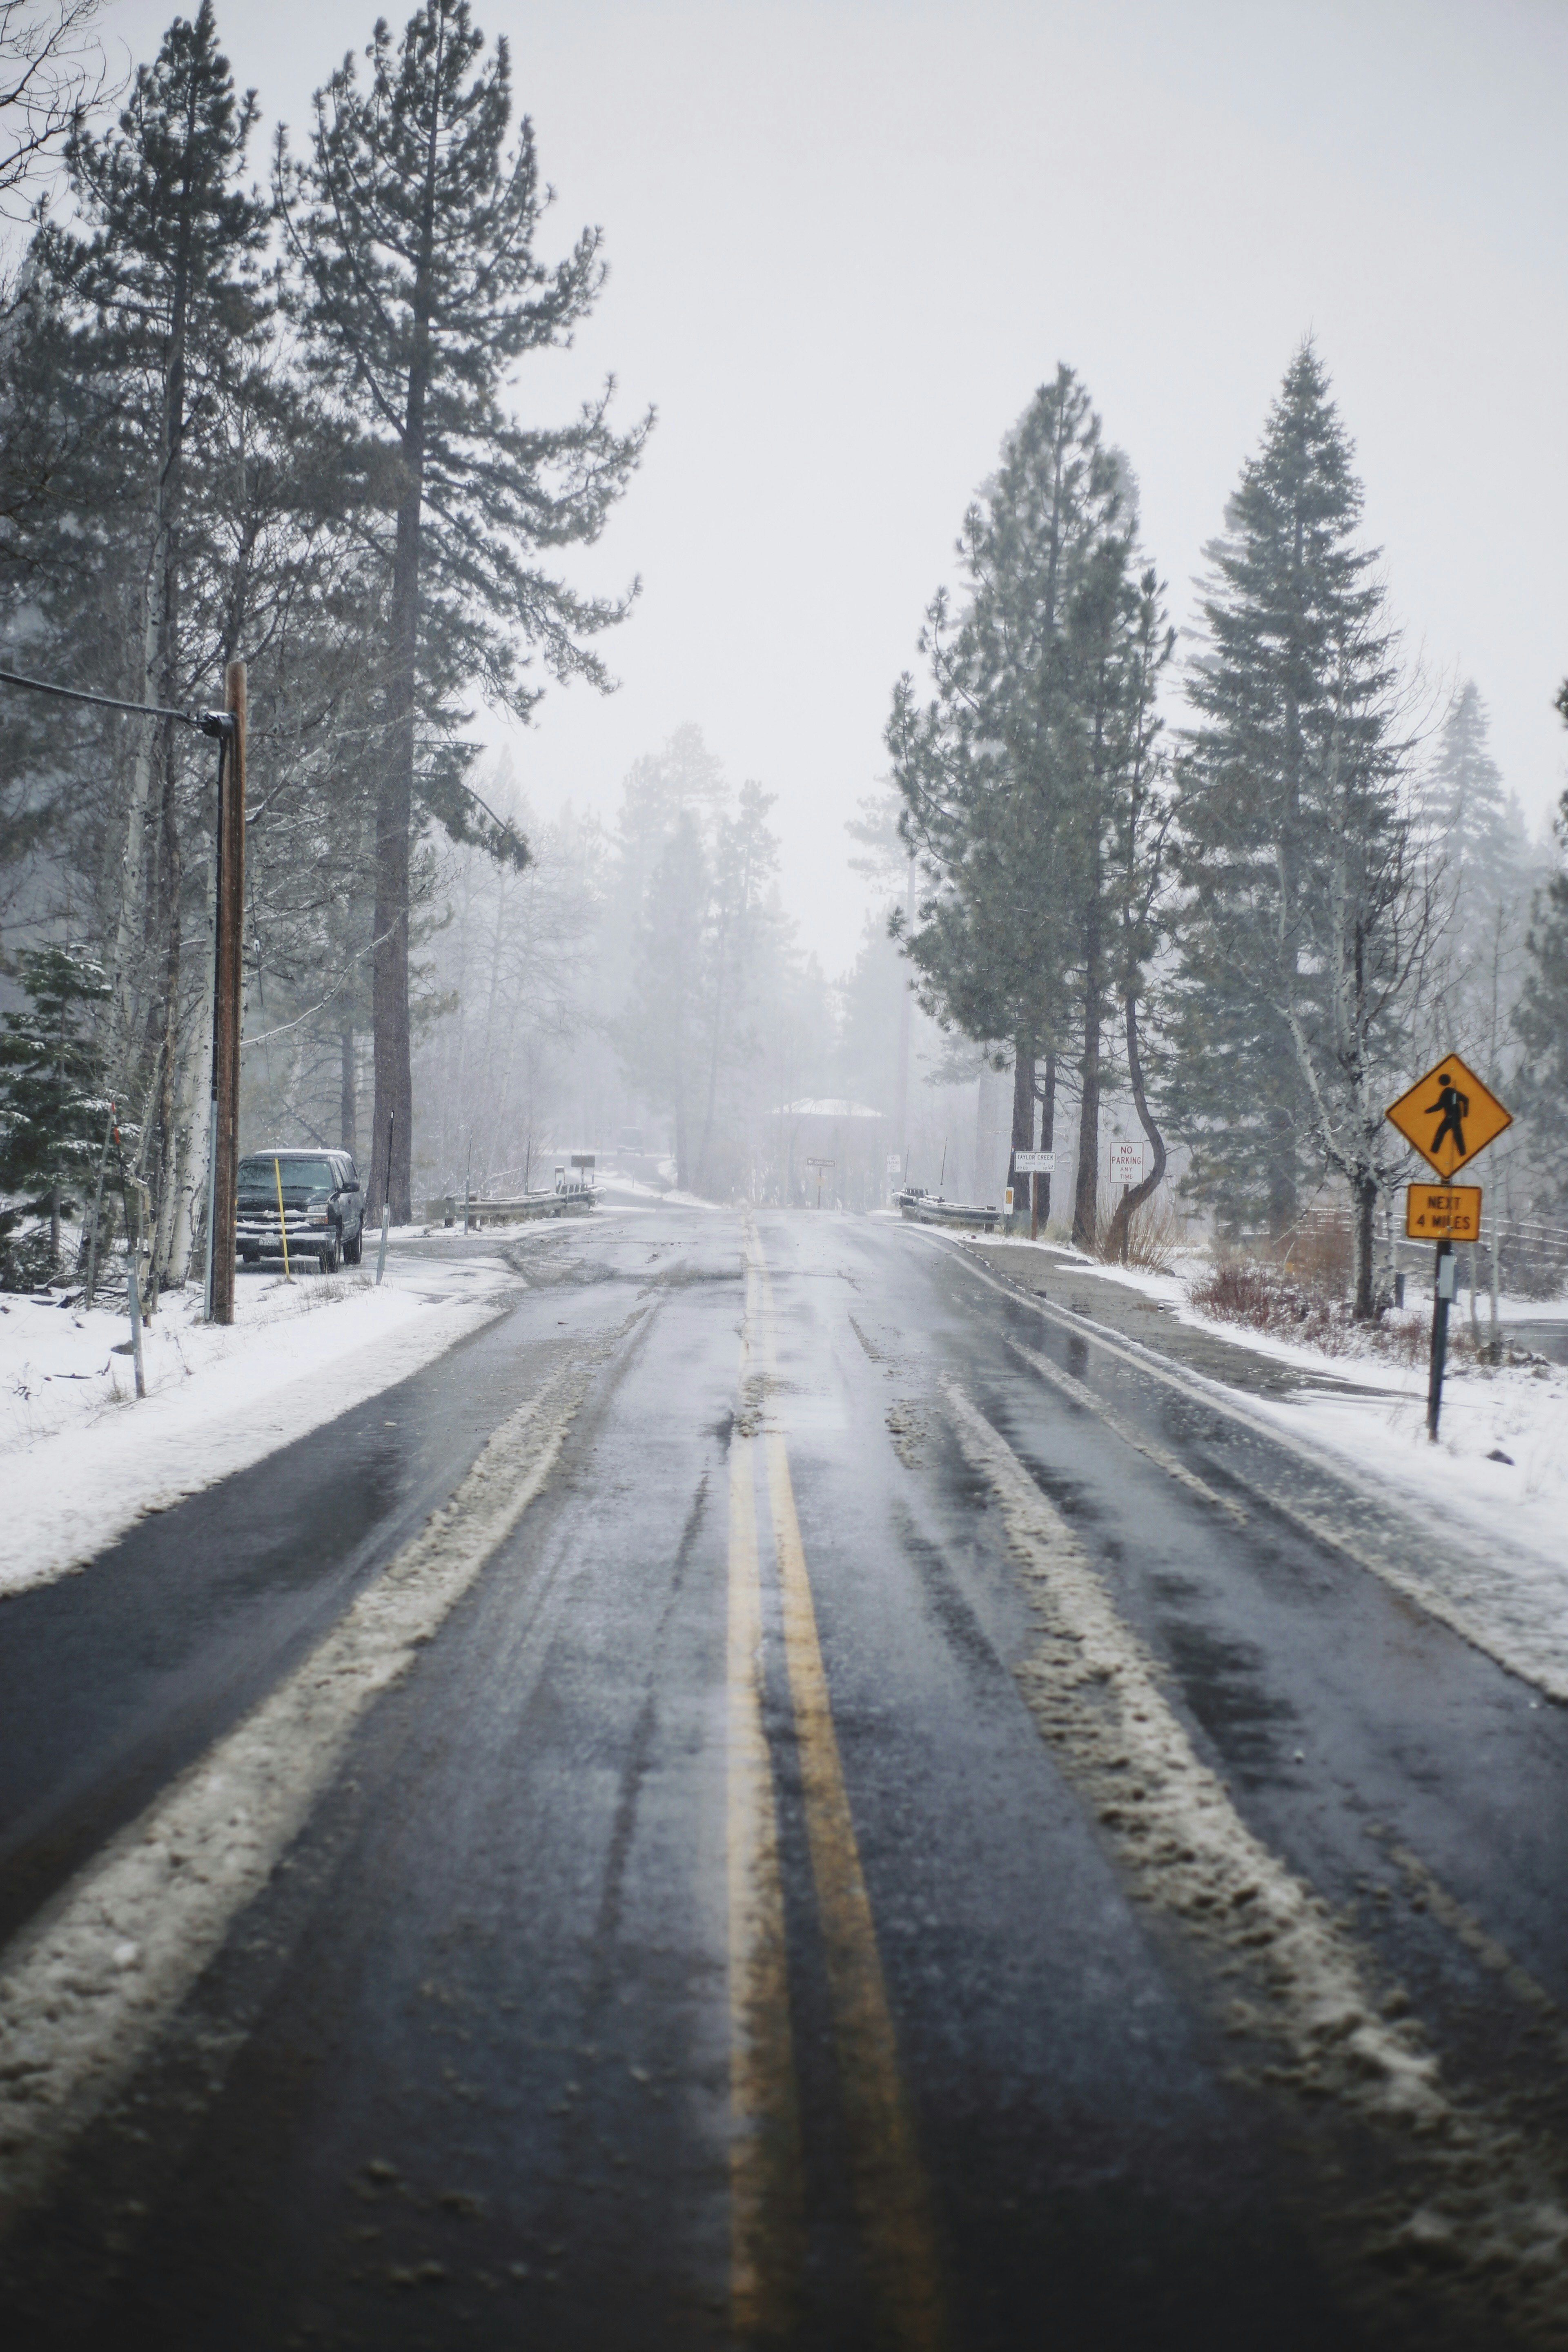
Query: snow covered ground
{"x": 82, "y": 1458}
{"x": 1516, "y": 1410}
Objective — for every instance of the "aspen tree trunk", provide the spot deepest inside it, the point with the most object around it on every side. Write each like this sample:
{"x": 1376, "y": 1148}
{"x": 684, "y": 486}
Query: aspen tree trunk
{"x": 166, "y": 578}
{"x": 192, "y": 1144}
{"x": 192, "y": 1141}
{"x": 130, "y": 935}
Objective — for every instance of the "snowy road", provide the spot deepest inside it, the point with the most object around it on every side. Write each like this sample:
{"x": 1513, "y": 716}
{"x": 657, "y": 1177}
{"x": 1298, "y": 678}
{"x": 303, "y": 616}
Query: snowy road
{"x": 783, "y": 1792}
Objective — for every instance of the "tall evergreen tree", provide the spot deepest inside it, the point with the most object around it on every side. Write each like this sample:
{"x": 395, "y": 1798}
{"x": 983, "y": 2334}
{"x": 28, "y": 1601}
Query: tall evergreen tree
{"x": 1305, "y": 914}
{"x": 1137, "y": 869}
{"x": 419, "y": 290}
{"x": 998, "y": 767}
{"x": 52, "y": 1101}
{"x": 1540, "y": 1016}
{"x": 146, "y": 319}
{"x": 746, "y": 860}
{"x": 1482, "y": 854}
{"x": 661, "y": 1031}
{"x": 1465, "y": 806}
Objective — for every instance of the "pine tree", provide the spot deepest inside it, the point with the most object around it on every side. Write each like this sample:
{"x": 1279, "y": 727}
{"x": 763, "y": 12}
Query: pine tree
{"x": 1465, "y": 807}
{"x": 52, "y": 1101}
{"x": 1004, "y": 771}
{"x": 146, "y": 320}
{"x": 1540, "y": 1016}
{"x": 1138, "y": 876}
{"x": 419, "y": 290}
{"x": 745, "y": 859}
{"x": 1305, "y": 915}
{"x": 661, "y": 1034}
{"x": 1481, "y": 851}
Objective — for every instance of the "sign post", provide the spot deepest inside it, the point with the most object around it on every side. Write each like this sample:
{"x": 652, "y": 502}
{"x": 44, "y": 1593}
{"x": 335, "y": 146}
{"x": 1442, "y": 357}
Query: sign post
{"x": 1034, "y": 1164}
{"x": 819, "y": 1165}
{"x": 1448, "y": 1116}
{"x": 1127, "y": 1169}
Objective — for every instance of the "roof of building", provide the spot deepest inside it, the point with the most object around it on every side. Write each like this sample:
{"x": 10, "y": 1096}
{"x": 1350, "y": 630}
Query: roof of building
{"x": 829, "y": 1107}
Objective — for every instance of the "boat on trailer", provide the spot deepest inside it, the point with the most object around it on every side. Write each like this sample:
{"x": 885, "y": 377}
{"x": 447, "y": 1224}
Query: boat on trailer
{"x": 922, "y": 1208}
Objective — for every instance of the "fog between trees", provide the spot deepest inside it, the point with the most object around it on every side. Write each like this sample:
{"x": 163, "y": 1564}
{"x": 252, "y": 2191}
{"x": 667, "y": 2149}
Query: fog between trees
{"x": 1223, "y": 897}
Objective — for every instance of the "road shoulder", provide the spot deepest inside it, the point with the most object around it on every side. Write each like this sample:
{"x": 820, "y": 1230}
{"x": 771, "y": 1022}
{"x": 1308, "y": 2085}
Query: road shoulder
{"x": 1348, "y": 1465}
{"x": 84, "y": 1459}
{"x": 1064, "y": 1279}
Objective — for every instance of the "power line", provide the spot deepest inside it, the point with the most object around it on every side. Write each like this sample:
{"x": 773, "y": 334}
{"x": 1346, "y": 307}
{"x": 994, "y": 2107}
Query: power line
{"x": 205, "y": 722}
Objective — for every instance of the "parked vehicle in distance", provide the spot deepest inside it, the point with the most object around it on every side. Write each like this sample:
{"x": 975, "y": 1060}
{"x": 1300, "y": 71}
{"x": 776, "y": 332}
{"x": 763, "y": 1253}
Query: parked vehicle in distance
{"x": 323, "y": 1203}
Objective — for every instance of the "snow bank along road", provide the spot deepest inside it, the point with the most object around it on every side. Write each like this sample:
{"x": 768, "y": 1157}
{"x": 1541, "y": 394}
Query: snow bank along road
{"x": 783, "y": 1792}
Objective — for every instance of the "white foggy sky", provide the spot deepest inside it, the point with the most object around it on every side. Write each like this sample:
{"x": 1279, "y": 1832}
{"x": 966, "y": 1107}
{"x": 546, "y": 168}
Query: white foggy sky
{"x": 847, "y": 241}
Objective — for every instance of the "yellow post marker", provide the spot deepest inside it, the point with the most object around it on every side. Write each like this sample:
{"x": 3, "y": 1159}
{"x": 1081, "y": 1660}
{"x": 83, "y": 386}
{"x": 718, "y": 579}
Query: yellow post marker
{"x": 1443, "y": 1212}
{"x": 282, "y": 1220}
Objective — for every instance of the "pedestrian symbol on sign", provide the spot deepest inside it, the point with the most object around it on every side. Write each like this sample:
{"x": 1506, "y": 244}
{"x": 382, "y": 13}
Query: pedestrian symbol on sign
{"x": 1454, "y": 1106}
{"x": 1449, "y": 1115}
{"x": 1448, "y": 1212}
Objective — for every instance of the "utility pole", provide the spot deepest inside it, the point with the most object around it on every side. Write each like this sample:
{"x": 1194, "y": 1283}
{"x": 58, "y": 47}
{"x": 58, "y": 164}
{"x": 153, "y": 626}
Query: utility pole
{"x": 227, "y": 993}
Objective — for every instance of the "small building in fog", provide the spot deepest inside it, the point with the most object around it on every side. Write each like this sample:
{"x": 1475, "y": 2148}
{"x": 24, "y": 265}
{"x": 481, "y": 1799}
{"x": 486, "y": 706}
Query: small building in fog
{"x": 855, "y": 1138}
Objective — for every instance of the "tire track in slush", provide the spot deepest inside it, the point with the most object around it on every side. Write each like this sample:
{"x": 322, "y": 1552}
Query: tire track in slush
{"x": 1473, "y": 2194}
{"x": 87, "y": 1987}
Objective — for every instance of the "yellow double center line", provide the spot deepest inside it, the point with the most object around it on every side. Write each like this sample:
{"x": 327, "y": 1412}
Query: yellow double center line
{"x": 767, "y": 2202}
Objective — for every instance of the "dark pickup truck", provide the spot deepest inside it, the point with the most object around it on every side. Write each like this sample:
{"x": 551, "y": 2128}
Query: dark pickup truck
{"x": 322, "y": 1203}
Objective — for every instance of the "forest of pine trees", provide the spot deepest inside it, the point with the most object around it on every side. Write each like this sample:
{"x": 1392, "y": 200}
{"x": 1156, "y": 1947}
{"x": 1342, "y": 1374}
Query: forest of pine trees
{"x": 1247, "y": 893}
{"x": 279, "y": 426}
{"x": 1220, "y": 895}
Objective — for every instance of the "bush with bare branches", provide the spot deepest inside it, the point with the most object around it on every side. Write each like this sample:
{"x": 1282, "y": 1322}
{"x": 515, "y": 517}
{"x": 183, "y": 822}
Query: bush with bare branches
{"x": 1150, "y": 1233}
{"x": 1289, "y": 1302}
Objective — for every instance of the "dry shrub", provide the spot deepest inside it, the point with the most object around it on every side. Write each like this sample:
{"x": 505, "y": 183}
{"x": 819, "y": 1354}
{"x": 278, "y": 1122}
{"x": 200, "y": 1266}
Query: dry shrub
{"x": 1282, "y": 1301}
{"x": 1319, "y": 1252}
{"x": 1151, "y": 1231}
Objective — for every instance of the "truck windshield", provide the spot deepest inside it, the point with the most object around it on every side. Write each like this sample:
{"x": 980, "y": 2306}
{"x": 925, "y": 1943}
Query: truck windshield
{"x": 299, "y": 1175}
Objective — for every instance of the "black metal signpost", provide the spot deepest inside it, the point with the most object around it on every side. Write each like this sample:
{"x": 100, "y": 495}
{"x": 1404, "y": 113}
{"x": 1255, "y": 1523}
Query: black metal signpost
{"x": 1460, "y": 1119}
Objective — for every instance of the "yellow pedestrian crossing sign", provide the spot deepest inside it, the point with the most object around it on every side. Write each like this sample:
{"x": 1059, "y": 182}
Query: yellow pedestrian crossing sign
{"x": 1449, "y": 1115}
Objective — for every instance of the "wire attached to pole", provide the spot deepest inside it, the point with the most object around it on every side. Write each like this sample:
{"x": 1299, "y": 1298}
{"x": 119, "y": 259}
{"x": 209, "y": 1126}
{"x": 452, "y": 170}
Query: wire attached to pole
{"x": 205, "y": 722}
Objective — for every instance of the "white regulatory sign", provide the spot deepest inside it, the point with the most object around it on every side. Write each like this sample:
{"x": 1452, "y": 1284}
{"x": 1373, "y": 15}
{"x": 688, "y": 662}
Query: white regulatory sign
{"x": 1126, "y": 1163}
{"x": 1035, "y": 1163}
{"x": 895, "y": 1165}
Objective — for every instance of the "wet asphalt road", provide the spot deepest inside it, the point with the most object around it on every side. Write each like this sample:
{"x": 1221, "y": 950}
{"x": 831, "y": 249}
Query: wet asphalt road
{"x": 717, "y": 1930}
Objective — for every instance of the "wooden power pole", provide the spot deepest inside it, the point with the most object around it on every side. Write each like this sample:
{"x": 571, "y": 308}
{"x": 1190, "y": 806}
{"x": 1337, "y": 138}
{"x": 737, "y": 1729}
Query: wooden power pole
{"x": 228, "y": 993}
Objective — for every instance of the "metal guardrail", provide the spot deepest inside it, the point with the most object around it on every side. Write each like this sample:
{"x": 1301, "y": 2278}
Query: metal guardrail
{"x": 447, "y": 1207}
{"x": 926, "y": 1209}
